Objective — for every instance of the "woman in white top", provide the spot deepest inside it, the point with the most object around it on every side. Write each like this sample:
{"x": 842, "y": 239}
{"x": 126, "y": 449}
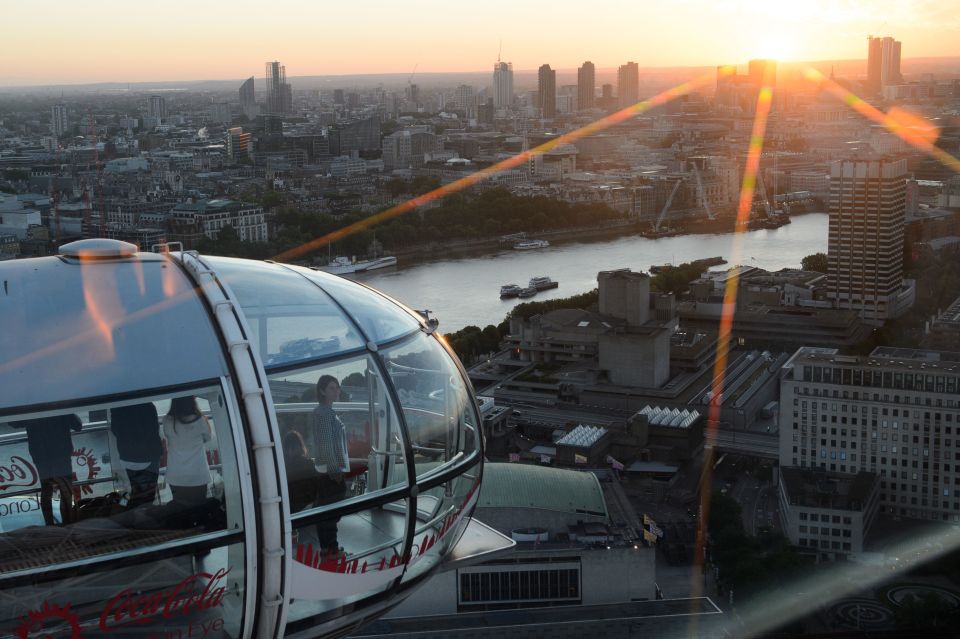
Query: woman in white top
{"x": 187, "y": 431}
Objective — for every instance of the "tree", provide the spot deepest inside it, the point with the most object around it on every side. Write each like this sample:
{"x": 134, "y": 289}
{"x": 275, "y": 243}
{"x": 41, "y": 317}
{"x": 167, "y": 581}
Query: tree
{"x": 816, "y": 262}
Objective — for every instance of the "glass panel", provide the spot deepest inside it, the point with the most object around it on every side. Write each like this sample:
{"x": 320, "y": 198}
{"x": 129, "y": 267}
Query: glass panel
{"x": 191, "y": 595}
{"x": 115, "y": 477}
{"x": 341, "y": 434}
{"x": 381, "y": 319}
{"x": 441, "y": 521}
{"x": 437, "y": 408}
{"x": 291, "y": 319}
{"x": 369, "y": 561}
{"x": 100, "y": 328}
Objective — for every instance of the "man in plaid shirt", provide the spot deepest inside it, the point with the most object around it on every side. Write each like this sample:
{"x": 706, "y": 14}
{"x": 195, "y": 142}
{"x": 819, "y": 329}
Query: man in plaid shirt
{"x": 328, "y": 439}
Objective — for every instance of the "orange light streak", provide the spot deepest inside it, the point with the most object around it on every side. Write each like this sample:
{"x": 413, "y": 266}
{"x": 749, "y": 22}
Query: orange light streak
{"x": 509, "y": 163}
{"x": 744, "y": 206}
{"x": 912, "y": 129}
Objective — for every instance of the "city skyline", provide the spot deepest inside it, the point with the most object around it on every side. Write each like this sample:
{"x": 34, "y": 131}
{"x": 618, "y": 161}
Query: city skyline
{"x": 693, "y": 33}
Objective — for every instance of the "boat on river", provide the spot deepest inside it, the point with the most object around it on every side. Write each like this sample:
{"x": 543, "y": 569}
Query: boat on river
{"x": 529, "y": 245}
{"x": 543, "y": 283}
{"x": 344, "y": 265}
{"x": 527, "y": 292}
{"x": 510, "y": 290}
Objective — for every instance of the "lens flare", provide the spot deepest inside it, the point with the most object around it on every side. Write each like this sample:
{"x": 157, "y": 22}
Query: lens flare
{"x": 511, "y": 162}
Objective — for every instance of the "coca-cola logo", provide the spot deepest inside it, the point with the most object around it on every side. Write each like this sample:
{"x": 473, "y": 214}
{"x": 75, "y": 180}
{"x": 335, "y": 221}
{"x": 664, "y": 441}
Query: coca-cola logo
{"x": 17, "y": 473}
{"x": 197, "y": 593}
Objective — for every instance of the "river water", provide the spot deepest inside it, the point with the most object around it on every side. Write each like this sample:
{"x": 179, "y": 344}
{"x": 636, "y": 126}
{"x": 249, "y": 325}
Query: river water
{"x": 466, "y": 290}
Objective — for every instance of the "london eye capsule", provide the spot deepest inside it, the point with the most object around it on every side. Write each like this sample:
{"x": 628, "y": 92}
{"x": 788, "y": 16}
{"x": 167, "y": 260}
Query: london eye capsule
{"x": 213, "y": 447}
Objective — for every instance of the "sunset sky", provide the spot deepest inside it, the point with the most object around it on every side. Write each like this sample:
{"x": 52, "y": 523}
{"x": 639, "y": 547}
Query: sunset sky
{"x": 66, "y": 41}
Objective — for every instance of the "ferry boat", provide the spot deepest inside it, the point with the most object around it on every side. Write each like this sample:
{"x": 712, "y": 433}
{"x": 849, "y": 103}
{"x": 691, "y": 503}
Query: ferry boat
{"x": 543, "y": 283}
{"x": 344, "y": 265}
{"x": 528, "y": 245}
{"x": 527, "y": 292}
{"x": 510, "y": 290}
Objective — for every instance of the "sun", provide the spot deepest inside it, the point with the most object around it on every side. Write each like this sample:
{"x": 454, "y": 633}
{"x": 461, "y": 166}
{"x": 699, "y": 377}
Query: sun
{"x": 777, "y": 47}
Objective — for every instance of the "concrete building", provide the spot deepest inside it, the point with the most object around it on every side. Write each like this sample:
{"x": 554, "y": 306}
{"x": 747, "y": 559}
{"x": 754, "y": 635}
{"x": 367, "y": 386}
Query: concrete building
{"x": 894, "y": 413}
{"x": 944, "y": 331}
{"x": 560, "y": 521}
{"x": 502, "y": 85}
{"x": 865, "y": 248}
{"x": 547, "y": 91}
{"x": 586, "y": 86}
{"x": 466, "y": 100}
{"x": 827, "y": 514}
{"x": 628, "y": 84}
{"x": 58, "y": 120}
{"x": 630, "y": 348}
{"x": 238, "y": 144}
{"x": 206, "y": 218}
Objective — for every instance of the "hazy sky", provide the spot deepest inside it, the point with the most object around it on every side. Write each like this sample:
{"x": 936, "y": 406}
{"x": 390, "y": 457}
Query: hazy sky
{"x": 70, "y": 41}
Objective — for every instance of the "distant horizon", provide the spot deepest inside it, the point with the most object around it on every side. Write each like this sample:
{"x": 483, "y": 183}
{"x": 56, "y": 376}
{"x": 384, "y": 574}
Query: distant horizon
{"x": 533, "y": 70}
{"x": 64, "y": 43}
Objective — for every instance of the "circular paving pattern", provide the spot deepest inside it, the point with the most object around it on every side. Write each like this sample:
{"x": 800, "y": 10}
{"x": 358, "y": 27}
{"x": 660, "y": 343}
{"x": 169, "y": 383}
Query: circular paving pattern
{"x": 865, "y": 614}
{"x": 899, "y": 593}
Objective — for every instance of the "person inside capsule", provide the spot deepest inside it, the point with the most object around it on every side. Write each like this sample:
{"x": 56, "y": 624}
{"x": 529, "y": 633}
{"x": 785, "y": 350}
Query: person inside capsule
{"x": 329, "y": 438}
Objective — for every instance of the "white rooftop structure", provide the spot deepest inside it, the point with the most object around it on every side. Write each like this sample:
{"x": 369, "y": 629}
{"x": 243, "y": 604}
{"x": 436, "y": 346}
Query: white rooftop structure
{"x": 583, "y": 436}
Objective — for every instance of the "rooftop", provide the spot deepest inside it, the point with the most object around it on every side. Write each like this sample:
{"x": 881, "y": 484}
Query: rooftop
{"x": 528, "y": 486}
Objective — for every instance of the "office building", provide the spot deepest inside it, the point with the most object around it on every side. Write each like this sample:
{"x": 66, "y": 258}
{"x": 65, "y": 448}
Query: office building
{"x": 883, "y": 63}
{"x": 547, "y": 91}
{"x": 865, "y": 246}
{"x": 628, "y": 84}
{"x": 58, "y": 120}
{"x": 586, "y": 83}
{"x": 158, "y": 107}
{"x": 279, "y": 93}
{"x": 466, "y": 101}
{"x": 894, "y": 413}
{"x": 238, "y": 144}
{"x": 502, "y": 85}
{"x": 248, "y": 98}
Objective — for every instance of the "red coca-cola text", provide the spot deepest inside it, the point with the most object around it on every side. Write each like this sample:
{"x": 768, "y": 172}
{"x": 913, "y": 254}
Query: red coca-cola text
{"x": 129, "y": 608}
{"x": 18, "y": 473}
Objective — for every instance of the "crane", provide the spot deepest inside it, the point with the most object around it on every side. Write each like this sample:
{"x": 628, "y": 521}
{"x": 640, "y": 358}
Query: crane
{"x": 763, "y": 194}
{"x": 700, "y": 193}
{"x": 663, "y": 213}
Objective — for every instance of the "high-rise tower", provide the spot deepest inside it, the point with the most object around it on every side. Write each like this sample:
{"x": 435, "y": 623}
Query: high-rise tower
{"x": 883, "y": 63}
{"x": 58, "y": 122}
{"x": 279, "y": 93}
{"x": 547, "y": 91}
{"x": 865, "y": 248}
{"x": 248, "y": 97}
{"x": 158, "y": 107}
{"x": 628, "y": 84}
{"x": 586, "y": 86}
{"x": 502, "y": 85}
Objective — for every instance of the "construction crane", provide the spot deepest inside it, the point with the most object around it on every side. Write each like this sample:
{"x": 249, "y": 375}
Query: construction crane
{"x": 701, "y": 195}
{"x": 666, "y": 207}
{"x": 763, "y": 194}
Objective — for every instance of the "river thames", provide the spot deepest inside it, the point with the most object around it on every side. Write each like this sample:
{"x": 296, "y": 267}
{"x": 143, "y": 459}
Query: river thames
{"x": 466, "y": 290}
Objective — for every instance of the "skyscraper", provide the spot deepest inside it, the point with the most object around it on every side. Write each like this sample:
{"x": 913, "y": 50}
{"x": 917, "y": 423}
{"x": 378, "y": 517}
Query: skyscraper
{"x": 158, "y": 107}
{"x": 279, "y": 93}
{"x": 547, "y": 91}
{"x": 247, "y": 95}
{"x": 502, "y": 85}
{"x": 883, "y": 63}
{"x": 58, "y": 121}
{"x": 586, "y": 86}
{"x": 865, "y": 247}
{"x": 628, "y": 84}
